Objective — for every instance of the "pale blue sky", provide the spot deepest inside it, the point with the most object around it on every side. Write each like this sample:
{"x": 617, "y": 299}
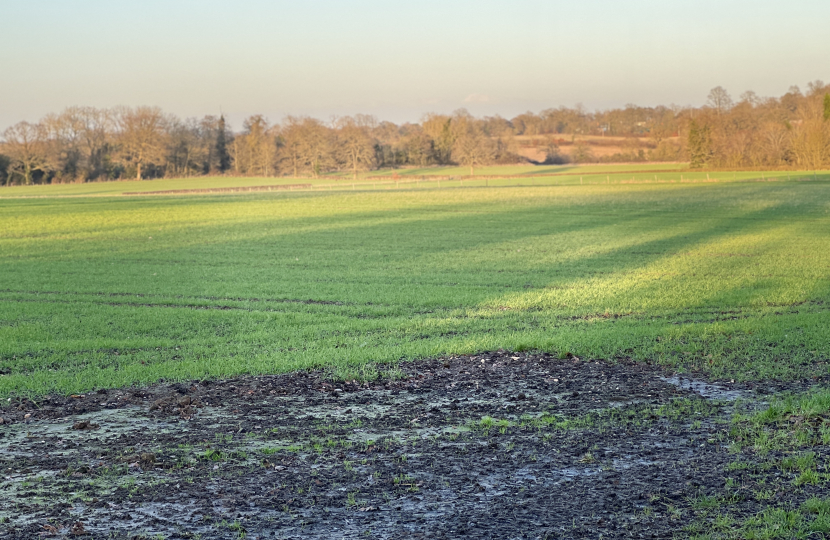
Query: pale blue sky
{"x": 398, "y": 60}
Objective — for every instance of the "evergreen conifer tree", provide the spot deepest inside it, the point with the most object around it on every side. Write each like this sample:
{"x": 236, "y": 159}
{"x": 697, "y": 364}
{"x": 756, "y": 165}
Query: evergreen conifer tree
{"x": 827, "y": 106}
{"x": 700, "y": 145}
{"x": 222, "y": 147}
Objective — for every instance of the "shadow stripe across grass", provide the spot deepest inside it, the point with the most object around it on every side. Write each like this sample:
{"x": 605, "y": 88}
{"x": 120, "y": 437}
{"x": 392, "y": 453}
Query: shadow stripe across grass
{"x": 729, "y": 279}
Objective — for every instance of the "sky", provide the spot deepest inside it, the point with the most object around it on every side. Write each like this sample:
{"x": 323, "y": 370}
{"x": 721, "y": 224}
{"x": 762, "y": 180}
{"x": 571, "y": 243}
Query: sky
{"x": 398, "y": 60}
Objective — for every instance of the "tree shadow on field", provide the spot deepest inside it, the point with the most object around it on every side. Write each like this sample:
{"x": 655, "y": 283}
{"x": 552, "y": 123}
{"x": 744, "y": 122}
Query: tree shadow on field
{"x": 384, "y": 229}
{"x": 399, "y": 248}
{"x": 411, "y": 261}
{"x": 542, "y": 170}
{"x": 414, "y": 238}
{"x": 648, "y": 280}
{"x": 205, "y": 212}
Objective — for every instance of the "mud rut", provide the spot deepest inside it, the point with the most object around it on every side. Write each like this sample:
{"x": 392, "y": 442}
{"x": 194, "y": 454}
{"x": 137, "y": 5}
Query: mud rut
{"x": 498, "y": 445}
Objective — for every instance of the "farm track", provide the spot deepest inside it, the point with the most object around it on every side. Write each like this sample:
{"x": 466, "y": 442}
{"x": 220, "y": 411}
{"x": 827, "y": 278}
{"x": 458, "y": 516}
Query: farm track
{"x": 496, "y": 445}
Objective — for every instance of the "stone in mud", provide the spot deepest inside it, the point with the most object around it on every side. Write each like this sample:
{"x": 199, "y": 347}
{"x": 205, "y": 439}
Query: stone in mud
{"x": 184, "y": 406}
{"x": 84, "y": 425}
{"x": 180, "y": 388}
{"x": 163, "y": 403}
{"x": 145, "y": 460}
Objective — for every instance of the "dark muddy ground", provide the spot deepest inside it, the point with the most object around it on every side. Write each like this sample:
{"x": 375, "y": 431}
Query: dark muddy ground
{"x": 497, "y": 445}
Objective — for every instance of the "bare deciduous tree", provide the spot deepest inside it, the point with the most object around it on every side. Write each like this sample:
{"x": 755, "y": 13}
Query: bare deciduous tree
{"x": 253, "y": 151}
{"x": 810, "y": 136}
{"x": 354, "y": 143}
{"x": 751, "y": 98}
{"x": 439, "y": 128}
{"x": 97, "y": 126}
{"x": 418, "y": 147}
{"x": 315, "y": 146}
{"x": 816, "y": 88}
{"x": 187, "y": 150}
{"x": 291, "y": 145}
{"x": 25, "y": 144}
{"x": 306, "y": 145}
{"x": 141, "y": 136}
{"x": 719, "y": 99}
{"x": 472, "y": 148}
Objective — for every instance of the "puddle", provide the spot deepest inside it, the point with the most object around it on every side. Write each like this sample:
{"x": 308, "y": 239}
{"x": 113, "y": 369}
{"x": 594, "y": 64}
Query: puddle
{"x": 707, "y": 390}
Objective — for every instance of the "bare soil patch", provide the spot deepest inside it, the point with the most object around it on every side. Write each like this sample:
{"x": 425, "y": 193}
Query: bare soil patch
{"x": 496, "y": 445}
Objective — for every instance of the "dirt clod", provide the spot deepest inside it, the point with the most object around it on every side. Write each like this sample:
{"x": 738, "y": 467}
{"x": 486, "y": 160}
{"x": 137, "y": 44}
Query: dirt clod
{"x": 163, "y": 403}
{"x": 85, "y": 425}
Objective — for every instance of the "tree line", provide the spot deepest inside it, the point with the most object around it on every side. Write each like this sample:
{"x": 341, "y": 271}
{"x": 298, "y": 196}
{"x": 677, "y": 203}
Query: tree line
{"x": 792, "y": 131}
{"x": 84, "y": 144}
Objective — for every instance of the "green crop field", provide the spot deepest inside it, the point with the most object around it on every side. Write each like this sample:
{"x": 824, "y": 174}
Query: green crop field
{"x": 728, "y": 278}
{"x": 446, "y": 177}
